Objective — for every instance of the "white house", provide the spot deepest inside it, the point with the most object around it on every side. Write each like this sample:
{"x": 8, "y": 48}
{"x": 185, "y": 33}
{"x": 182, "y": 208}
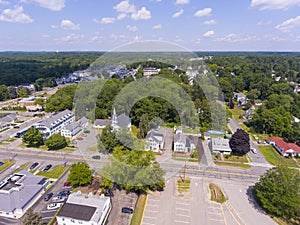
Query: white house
{"x": 285, "y": 149}
{"x": 84, "y": 209}
{"x": 72, "y": 130}
{"x": 120, "y": 121}
{"x": 150, "y": 71}
{"x": 55, "y": 123}
{"x": 182, "y": 143}
{"x": 154, "y": 141}
{"x": 101, "y": 123}
{"x": 220, "y": 145}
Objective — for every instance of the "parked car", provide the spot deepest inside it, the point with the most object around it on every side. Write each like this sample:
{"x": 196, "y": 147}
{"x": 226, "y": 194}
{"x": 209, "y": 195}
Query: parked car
{"x": 255, "y": 137}
{"x": 96, "y": 157}
{"x": 48, "y": 196}
{"x": 53, "y": 206}
{"x": 1, "y": 163}
{"x": 63, "y": 193}
{"x": 67, "y": 184}
{"x": 127, "y": 210}
{"x": 34, "y": 165}
{"x": 47, "y": 167}
{"x": 86, "y": 131}
{"x": 16, "y": 127}
{"x": 59, "y": 199}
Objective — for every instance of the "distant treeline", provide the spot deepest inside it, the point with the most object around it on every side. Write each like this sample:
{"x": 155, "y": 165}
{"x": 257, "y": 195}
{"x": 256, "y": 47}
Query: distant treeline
{"x": 17, "y": 67}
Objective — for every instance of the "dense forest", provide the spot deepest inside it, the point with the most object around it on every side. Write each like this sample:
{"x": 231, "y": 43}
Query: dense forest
{"x": 17, "y": 67}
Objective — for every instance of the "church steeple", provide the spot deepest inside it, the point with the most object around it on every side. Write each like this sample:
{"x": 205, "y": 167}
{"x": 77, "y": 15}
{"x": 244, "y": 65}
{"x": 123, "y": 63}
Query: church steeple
{"x": 114, "y": 117}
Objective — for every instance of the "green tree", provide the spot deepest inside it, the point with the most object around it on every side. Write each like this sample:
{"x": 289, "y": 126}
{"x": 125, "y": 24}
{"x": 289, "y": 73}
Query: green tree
{"x": 3, "y": 92}
{"x": 32, "y": 218}
{"x": 107, "y": 140}
{"x": 55, "y": 142}
{"x": 143, "y": 126}
{"x": 278, "y": 193}
{"x": 80, "y": 174}
{"x": 23, "y": 92}
{"x": 40, "y": 102}
{"x": 125, "y": 138}
{"x": 33, "y": 137}
{"x": 240, "y": 142}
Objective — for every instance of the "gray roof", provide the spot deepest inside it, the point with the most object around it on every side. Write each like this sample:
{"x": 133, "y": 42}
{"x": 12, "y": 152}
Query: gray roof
{"x": 220, "y": 144}
{"x": 158, "y": 137}
{"x": 123, "y": 120}
{"x": 8, "y": 118}
{"x": 102, "y": 122}
{"x": 18, "y": 194}
{"x": 180, "y": 137}
{"x": 49, "y": 122}
{"x": 78, "y": 212}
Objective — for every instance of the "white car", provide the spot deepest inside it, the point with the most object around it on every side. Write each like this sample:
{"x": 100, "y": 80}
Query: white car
{"x": 58, "y": 199}
{"x": 54, "y": 206}
{"x": 253, "y": 150}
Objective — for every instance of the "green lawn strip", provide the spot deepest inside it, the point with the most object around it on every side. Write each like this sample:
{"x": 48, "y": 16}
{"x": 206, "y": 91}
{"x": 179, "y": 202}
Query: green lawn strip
{"x": 245, "y": 128}
{"x": 55, "y": 173}
{"x": 183, "y": 185}
{"x": 93, "y": 148}
{"x": 216, "y": 194}
{"x": 191, "y": 131}
{"x": 233, "y": 164}
{"x": 7, "y": 163}
{"x": 22, "y": 167}
{"x": 5, "y": 129}
{"x": 233, "y": 158}
{"x": 135, "y": 131}
{"x": 139, "y": 210}
{"x": 236, "y": 112}
{"x": 275, "y": 158}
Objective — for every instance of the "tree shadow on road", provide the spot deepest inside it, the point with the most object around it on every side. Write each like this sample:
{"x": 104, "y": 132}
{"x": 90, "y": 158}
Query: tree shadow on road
{"x": 252, "y": 200}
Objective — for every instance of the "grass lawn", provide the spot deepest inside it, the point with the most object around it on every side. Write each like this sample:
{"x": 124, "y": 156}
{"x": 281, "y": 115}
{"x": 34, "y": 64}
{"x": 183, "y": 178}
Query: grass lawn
{"x": 191, "y": 131}
{"x": 233, "y": 158}
{"x": 10, "y": 139}
{"x": 54, "y": 173}
{"x": 216, "y": 194}
{"x": 5, "y": 129}
{"x": 242, "y": 165}
{"x": 24, "y": 166}
{"x": 236, "y": 111}
{"x": 183, "y": 185}
{"x": 7, "y": 163}
{"x": 139, "y": 210}
{"x": 275, "y": 158}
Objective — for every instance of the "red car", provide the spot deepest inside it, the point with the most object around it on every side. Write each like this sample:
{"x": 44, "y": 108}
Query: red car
{"x": 79, "y": 138}
{"x": 67, "y": 184}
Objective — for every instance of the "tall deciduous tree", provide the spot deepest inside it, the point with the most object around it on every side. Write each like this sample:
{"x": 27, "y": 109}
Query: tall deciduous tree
{"x": 80, "y": 174}
{"x": 107, "y": 140}
{"x": 143, "y": 126}
{"x": 278, "y": 193}
{"x": 33, "y": 137}
{"x": 55, "y": 142}
{"x": 32, "y": 218}
{"x": 240, "y": 142}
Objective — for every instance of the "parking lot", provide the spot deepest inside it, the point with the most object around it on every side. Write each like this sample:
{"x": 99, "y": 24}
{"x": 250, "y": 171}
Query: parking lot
{"x": 121, "y": 199}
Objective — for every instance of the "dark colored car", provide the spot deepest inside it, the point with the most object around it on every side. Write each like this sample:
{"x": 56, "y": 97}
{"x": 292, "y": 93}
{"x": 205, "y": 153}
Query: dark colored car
{"x": 127, "y": 210}
{"x": 47, "y": 167}
{"x": 34, "y": 165}
{"x": 63, "y": 193}
{"x": 1, "y": 163}
{"x": 48, "y": 196}
{"x": 96, "y": 157}
{"x": 67, "y": 184}
{"x": 16, "y": 127}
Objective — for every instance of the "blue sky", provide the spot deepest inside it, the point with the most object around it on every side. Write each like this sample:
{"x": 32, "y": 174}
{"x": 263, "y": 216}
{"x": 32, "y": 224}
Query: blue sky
{"x": 202, "y": 25}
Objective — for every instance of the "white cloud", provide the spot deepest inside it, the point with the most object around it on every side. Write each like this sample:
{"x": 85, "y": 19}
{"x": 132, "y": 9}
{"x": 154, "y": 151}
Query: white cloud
{"x": 142, "y": 14}
{"x": 107, "y": 20}
{"x": 132, "y": 28}
{"x": 178, "y": 13}
{"x": 122, "y": 16}
{"x": 69, "y": 25}
{"x": 237, "y": 38}
{"x": 263, "y": 23}
{"x": 15, "y": 15}
{"x": 96, "y": 38}
{"x": 182, "y": 2}
{"x": 209, "y": 33}
{"x": 4, "y": 2}
{"x": 274, "y": 4}
{"x": 54, "y": 26}
{"x": 157, "y": 27}
{"x": 55, "y": 5}
{"x": 209, "y": 22}
{"x": 203, "y": 12}
{"x": 71, "y": 38}
{"x": 289, "y": 24}
{"x": 125, "y": 7}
